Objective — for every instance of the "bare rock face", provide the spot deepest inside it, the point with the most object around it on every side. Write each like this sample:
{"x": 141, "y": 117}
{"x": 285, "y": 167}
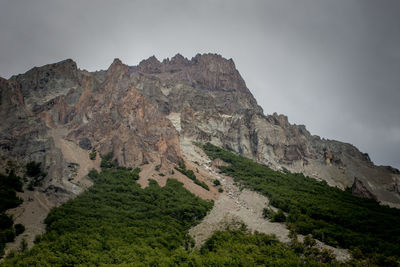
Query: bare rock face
{"x": 360, "y": 190}
{"x": 119, "y": 119}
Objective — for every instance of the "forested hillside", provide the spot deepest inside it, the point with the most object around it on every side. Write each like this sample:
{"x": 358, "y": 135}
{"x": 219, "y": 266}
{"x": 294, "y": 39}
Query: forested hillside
{"x": 116, "y": 222}
{"x": 331, "y": 215}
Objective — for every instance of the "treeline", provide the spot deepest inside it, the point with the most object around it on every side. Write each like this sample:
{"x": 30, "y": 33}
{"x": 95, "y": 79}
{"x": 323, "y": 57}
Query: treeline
{"x": 331, "y": 215}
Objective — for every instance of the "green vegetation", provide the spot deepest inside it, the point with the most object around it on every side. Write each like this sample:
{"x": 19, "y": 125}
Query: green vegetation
{"x": 19, "y": 228}
{"x": 115, "y": 222}
{"x": 216, "y": 182}
{"x": 9, "y": 185}
{"x": 107, "y": 161}
{"x": 238, "y": 248}
{"x": 157, "y": 168}
{"x": 274, "y": 216}
{"x": 328, "y": 213}
{"x": 93, "y": 154}
{"x": 34, "y": 171}
{"x": 190, "y": 174}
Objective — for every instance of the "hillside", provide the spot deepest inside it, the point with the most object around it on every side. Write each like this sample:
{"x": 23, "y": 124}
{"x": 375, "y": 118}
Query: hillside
{"x": 63, "y": 122}
{"x": 117, "y": 222}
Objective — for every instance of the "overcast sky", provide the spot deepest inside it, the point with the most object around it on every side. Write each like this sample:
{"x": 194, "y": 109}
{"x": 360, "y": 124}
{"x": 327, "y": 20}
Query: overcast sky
{"x": 333, "y": 65}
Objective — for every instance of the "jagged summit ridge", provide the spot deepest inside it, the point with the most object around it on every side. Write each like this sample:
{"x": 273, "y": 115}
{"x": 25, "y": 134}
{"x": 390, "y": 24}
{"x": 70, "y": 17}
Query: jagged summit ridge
{"x": 211, "y": 71}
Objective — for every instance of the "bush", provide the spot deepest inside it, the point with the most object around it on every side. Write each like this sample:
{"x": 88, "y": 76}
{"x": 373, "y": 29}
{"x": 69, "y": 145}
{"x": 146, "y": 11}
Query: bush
{"x": 274, "y": 216}
{"x": 93, "y": 154}
{"x": 268, "y": 213}
{"x": 279, "y": 217}
{"x": 11, "y": 181}
{"x": 19, "y": 228}
{"x": 202, "y": 184}
{"x": 216, "y": 182}
{"x": 7, "y": 235}
{"x": 5, "y": 221}
{"x": 23, "y": 246}
{"x": 33, "y": 169}
{"x": 190, "y": 174}
{"x": 107, "y": 162}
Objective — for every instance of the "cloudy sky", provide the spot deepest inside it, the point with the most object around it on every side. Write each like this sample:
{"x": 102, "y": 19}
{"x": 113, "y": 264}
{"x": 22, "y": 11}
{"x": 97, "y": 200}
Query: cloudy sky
{"x": 333, "y": 65}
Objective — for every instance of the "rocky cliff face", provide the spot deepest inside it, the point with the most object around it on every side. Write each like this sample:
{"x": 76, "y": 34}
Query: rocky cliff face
{"x": 145, "y": 114}
{"x": 106, "y": 112}
{"x": 209, "y": 101}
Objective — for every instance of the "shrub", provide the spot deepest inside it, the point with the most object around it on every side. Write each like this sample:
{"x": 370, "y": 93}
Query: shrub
{"x": 33, "y": 169}
{"x": 19, "y": 228}
{"x": 93, "y": 154}
{"x": 190, "y": 174}
{"x": 216, "y": 182}
{"x": 268, "y": 213}
{"x": 7, "y": 235}
{"x": 23, "y": 246}
{"x": 279, "y": 217}
{"x": 5, "y": 221}
{"x": 107, "y": 162}
{"x": 202, "y": 184}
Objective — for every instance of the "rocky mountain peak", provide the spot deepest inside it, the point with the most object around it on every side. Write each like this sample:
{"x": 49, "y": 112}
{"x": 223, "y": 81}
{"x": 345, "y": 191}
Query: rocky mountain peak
{"x": 176, "y": 63}
{"x": 117, "y": 68}
{"x": 179, "y": 59}
{"x": 212, "y": 61}
{"x": 150, "y": 65}
{"x": 116, "y": 61}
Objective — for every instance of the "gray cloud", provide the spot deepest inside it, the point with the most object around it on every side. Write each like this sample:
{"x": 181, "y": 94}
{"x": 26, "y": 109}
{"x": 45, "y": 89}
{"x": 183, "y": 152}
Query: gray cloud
{"x": 331, "y": 65}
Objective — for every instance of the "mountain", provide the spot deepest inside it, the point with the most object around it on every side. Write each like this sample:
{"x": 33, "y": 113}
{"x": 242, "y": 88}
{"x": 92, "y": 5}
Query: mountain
{"x": 208, "y": 101}
{"x": 152, "y": 115}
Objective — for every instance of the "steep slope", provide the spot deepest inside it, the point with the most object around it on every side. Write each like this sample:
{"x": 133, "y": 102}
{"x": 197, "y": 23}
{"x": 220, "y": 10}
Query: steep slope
{"x": 212, "y": 103}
